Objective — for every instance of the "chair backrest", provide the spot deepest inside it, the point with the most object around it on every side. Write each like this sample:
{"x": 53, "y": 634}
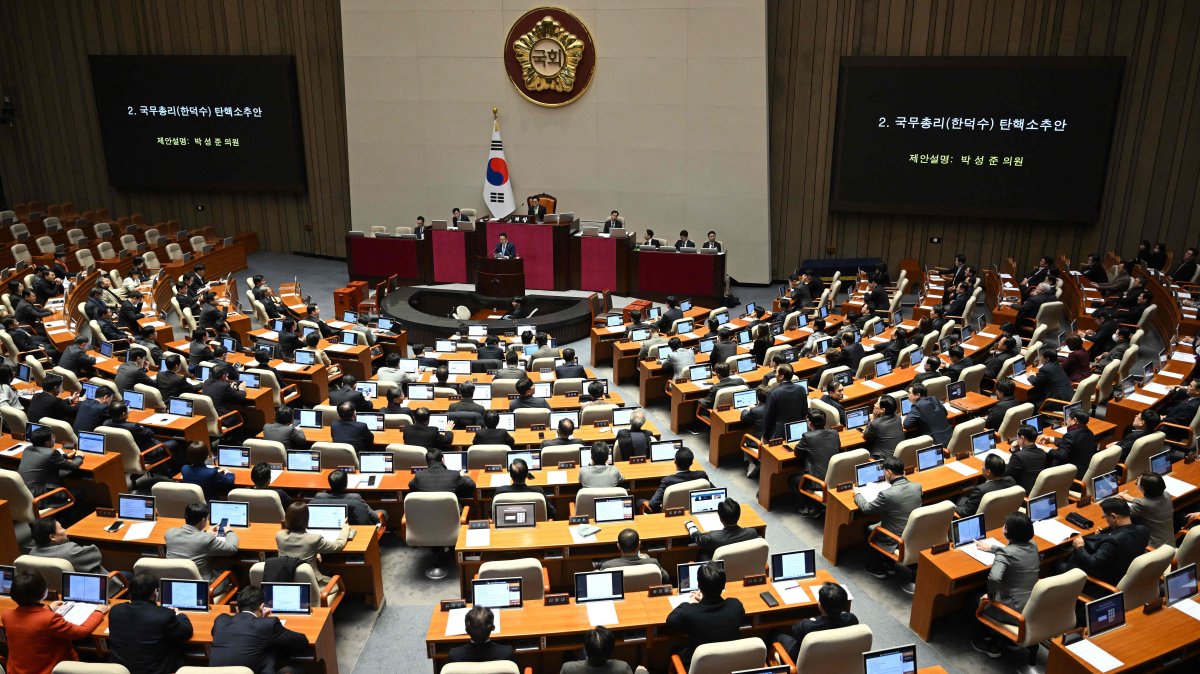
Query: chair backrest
{"x": 552, "y": 456}
{"x": 927, "y": 526}
{"x": 1138, "y": 461}
{"x": 528, "y": 416}
{"x": 937, "y": 387}
{"x": 183, "y": 569}
{"x": 1101, "y": 462}
{"x": 539, "y": 503}
{"x": 960, "y": 438}
{"x": 151, "y": 260}
{"x": 725, "y": 395}
{"x": 265, "y": 505}
{"x": 490, "y": 667}
{"x": 1050, "y": 610}
{"x": 745, "y": 558}
{"x": 45, "y": 245}
{"x": 405, "y": 457}
{"x": 1189, "y": 548}
{"x": 334, "y": 454}
{"x": 828, "y": 375}
{"x": 538, "y": 364}
{"x": 106, "y": 250}
{"x": 152, "y": 236}
{"x": 639, "y": 578}
{"x": 585, "y": 499}
{"x": 20, "y": 253}
{"x": 174, "y": 252}
{"x": 267, "y": 380}
{"x": 973, "y": 376}
{"x": 203, "y": 406}
{"x": 866, "y": 366}
{"x": 841, "y": 466}
{"x": 1050, "y": 315}
{"x": 528, "y": 569}
{"x": 50, "y": 569}
{"x": 14, "y": 419}
{"x": 20, "y": 500}
{"x": 170, "y": 498}
{"x": 76, "y": 667}
{"x": 1085, "y": 391}
{"x": 481, "y": 456}
{"x": 728, "y": 656}
{"x": 1012, "y": 420}
{"x": 75, "y": 236}
{"x": 1140, "y": 583}
{"x": 836, "y": 650}
{"x": 1127, "y": 362}
{"x": 270, "y": 451}
{"x": 1058, "y": 480}
{"x": 593, "y": 413}
{"x": 129, "y": 242}
{"x": 432, "y": 519}
{"x": 999, "y": 504}
{"x": 906, "y": 451}
{"x": 62, "y": 431}
{"x": 676, "y": 496}
{"x": 562, "y": 387}
{"x": 903, "y": 358}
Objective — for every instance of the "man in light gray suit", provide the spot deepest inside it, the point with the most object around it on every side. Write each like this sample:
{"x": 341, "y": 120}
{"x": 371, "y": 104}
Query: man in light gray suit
{"x": 1011, "y": 579}
{"x": 884, "y": 431}
{"x": 679, "y": 359}
{"x": 196, "y": 541}
{"x": 283, "y": 431}
{"x": 893, "y": 505}
{"x": 650, "y": 346}
{"x": 50, "y": 540}
{"x": 600, "y": 473}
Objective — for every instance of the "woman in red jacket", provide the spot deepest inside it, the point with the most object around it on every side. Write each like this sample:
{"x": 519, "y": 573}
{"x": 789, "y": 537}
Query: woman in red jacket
{"x": 39, "y": 638}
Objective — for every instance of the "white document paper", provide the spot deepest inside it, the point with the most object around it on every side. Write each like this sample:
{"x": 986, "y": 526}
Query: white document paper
{"x": 556, "y": 477}
{"x": 1168, "y": 373}
{"x": 984, "y": 557}
{"x": 161, "y": 419}
{"x": 819, "y": 359}
{"x": 1023, "y": 378}
{"x": 1139, "y": 398}
{"x": 962, "y": 468}
{"x": 328, "y": 534}
{"x": 577, "y": 538}
{"x": 15, "y": 449}
{"x": 479, "y": 538}
{"x": 1188, "y": 606}
{"x": 1176, "y": 487}
{"x": 872, "y": 384}
{"x": 791, "y": 592}
{"x": 870, "y": 491}
{"x": 987, "y": 334}
{"x": 275, "y": 475}
{"x": 500, "y": 480}
{"x": 614, "y": 330}
{"x": 139, "y": 531}
{"x": 338, "y": 348}
{"x": 289, "y": 367}
{"x": 602, "y": 613}
{"x": 1053, "y": 531}
{"x": 998, "y": 452}
{"x": 1094, "y": 655}
{"x": 678, "y": 599}
{"x": 77, "y": 614}
{"x": 1156, "y": 388}
{"x": 1184, "y": 357}
{"x": 709, "y": 521}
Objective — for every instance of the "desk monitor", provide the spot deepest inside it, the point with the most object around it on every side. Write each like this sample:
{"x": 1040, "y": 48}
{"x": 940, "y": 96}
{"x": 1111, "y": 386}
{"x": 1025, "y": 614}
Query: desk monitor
{"x": 968, "y": 530}
{"x": 956, "y": 390}
{"x": 348, "y": 338}
{"x": 409, "y": 365}
{"x": 232, "y": 344}
{"x": 459, "y": 367}
{"x": 744, "y": 399}
{"x": 878, "y": 328}
{"x": 250, "y": 380}
{"x": 750, "y": 307}
{"x": 858, "y": 417}
{"x": 585, "y": 457}
{"x": 1018, "y": 367}
{"x": 6, "y": 579}
{"x": 823, "y": 346}
{"x": 522, "y": 329}
{"x": 369, "y": 389}
{"x": 557, "y": 417}
{"x": 373, "y": 420}
{"x": 135, "y": 507}
{"x": 587, "y": 383}
{"x": 445, "y": 346}
{"x": 304, "y": 460}
{"x": 1105, "y": 485}
{"x": 87, "y": 588}
{"x": 455, "y": 461}
{"x": 482, "y": 392}
{"x": 496, "y": 593}
{"x": 180, "y": 407}
{"x": 205, "y": 373}
{"x": 440, "y": 421}
{"x": 1181, "y": 584}
{"x": 916, "y": 357}
{"x": 349, "y": 316}
{"x": 844, "y": 378}
{"x": 744, "y": 337}
{"x": 288, "y": 598}
{"x": 882, "y": 369}
{"x": 183, "y": 595}
{"x": 599, "y": 586}
{"x": 983, "y": 442}
{"x": 622, "y": 416}
{"x": 663, "y": 450}
{"x": 823, "y": 312}
{"x": 699, "y": 372}
{"x": 1105, "y": 613}
{"x": 614, "y": 320}
{"x": 375, "y": 462}
{"x": 134, "y": 400}
{"x": 420, "y": 391}
{"x": 901, "y": 660}
{"x": 653, "y": 313}
{"x": 508, "y": 421}
{"x": 614, "y": 509}
{"x": 688, "y": 574}
{"x": 1128, "y": 386}
{"x": 106, "y": 349}
{"x": 639, "y": 335}
{"x": 89, "y": 389}
{"x": 542, "y": 389}
{"x": 23, "y": 372}
{"x": 905, "y": 405}
{"x": 31, "y": 426}
{"x": 512, "y": 515}
{"x": 930, "y": 457}
{"x": 326, "y": 516}
{"x": 1066, "y": 412}
{"x": 684, "y": 326}
{"x": 477, "y": 331}
{"x": 868, "y": 473}
{"x": 1035, "y": 421}
{"x": 794, "y": 430}
{"x": 385, "y": 324}
{"x": 706, "y": 500}
{"x": 745, "y": 365}
{"x": 309, "y": 418}
{"x": 685, "y": 305}
{"x": 794, "y": 565}
{"x": 92, "y": 443}
{"x": 1161, "y": 463}
{"x": 1044, "y": 507}
{"x": 233, "y": 513}
{"x": 531, "y": 457}
{"x": 233, "y": 457}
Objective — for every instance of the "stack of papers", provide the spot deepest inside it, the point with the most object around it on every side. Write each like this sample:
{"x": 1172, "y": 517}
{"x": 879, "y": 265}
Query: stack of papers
{"x": 709, "y": 521}
{"x": 139, "y": 531}
{"x": 289, "y": 367}
{"x": 962, "y": 468}
{"x": 678, "y": 599}
{"x": 998, "y": 452}
{"x": 791, "y": 592}
{"x": 556, "y": 477}
{"x": 1023, "y": 378}
{"x": 870, "y": 491}
{"x": 479, "y": 538}
{"x": 872, "y": 384}
{"x": 1053, "y": 531}
{"x": 1176, "y": 487}
{"x": 602, "y": 613}
{"x": 76, "y": 613}
{"x": 1139, "y": 398}
{"x": 982, "y": 556}
{"x": 1188, "y": 606}
{"x": 500, "y": 480}
{"x": 1094, "y": 655}
{"x": 1156, "y": 388}
{"x": 456, "y": 621}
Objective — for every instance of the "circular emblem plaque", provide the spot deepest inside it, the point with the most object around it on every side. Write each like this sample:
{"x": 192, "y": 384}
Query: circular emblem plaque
{"x": 549, "y": 56}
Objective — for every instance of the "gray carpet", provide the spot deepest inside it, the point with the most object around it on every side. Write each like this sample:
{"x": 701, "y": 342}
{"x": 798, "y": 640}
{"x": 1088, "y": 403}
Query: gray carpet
{"x": 370, "y": 642}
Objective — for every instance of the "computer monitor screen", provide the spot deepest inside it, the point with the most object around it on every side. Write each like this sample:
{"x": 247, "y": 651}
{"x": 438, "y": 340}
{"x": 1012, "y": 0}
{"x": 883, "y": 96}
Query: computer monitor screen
{"x": 983, "y": 442}
{"x": 1034, "y": 421}
{"x": 205, "y": 373}
{"x": 1044, "y": 507}
{"x": 916, "y": 357}
{"x": 496, "y": 593}
{"x": 639, "y": 335}
{"x": 24, "y": 372}
{"x": 685, "y": 305}
{"x": 482, "y": 392}
{"x": 745, "y": 365}
{"x": 956, "y": 390}
{"x": 1105, "y": 485}
{"x": 233, "y": 513}
{"x": 134, "y": 400}
{"x": 706, "y": 500}
{"x": 930, "y": 457}
{"x": 1105, "y": 614}
{"x": 6, "y": 578}
{"x": 1161, "y": 463}
{"x": 508, "y": 421}
{"x": 795, "y": 565}
{"x": 613, "y": 320}
{"x": 373, "y": 421}
{"x": 92, "y": 443}
{"x": 89, "y": 588}
{"x": 348, "y": 338}
{"x": 968, "y": 530}
{"x": 1181, "y": 584}
{"x": 304, "y": 461}
{"x": 135, "y": 507}
{"x": 309, "y": 418}
{"x": 250, "y": 380}
{"x": 1018, "y": 367}
{"x": 420, "y": 391}
{"x": 233, "y": 457}
{"x": 794, "y": 430}
{"x": 744, "y": 399}
{"x": 531, "y": 457}
{"x": 902, "y": 660}
{"x": 688, "y": 574}
{"x": 459, "y": 367}
{"x": 477, "y": 331}
{"x": 350, "y": 316}
{"x": 511, "y": 515}
{"x": 663, "y": 450}
{"x": 653, "y": 313}
{"x": 558, "y": 417}
{"x": 882, "y": 368}
{"x": 585, "y": 457}
{"x": 699, "y": 372}
{"x": 905, "y": 405}
{"x": 231, "y": 344}
{"x": 868, "y": 473}
{"x": 183, "y": 595}
{"x": 288, "y": 598}
{"x": 180, "y": 406}
{"x": 368, "y": 389}
{"x": 384, "y": 324}
{"x": 326, "y": 516}
{"x": 823, "y": 346}
{"x": 857, "y": 417}
{"x": 623, "y": 415}
{"x": 89, "y": 390}
{"x": 599, "y": 586}
{"x": 375, "y": 462}
{"x": 455, "y": 461}
{"x": 614, "y": 509}
{"x": 542, "y": 389}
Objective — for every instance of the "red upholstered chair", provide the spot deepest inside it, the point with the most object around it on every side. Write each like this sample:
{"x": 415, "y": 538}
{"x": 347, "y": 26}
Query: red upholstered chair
{"x": 550, "y": 202}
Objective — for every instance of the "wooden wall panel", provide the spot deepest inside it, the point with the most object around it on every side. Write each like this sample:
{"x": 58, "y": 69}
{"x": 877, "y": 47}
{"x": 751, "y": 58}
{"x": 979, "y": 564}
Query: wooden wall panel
{"x": 54, "y": 152}
{"x": 1154, "y": 167}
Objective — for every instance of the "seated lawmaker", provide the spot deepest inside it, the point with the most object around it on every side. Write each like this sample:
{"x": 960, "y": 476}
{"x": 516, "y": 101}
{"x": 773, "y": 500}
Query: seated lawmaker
{"x": 1106, "y": 555}
{"x": 649, "y": 240}
{"x": 357, "y": 510}
{"x": 518, "y": 310}
{"x": 994, "y": 480}
{"x": 684, "y": 241}
{"x": 712, "y": 241}
{"x": 570, "y": 369}
{"x": 597, "y": 649}
{"x": 729, "y": 511}
{"x": 480, "y": 624}
{"x": 683, "y": 473}
{"x": 629, "y": 543}
{"x": 518, "y": 473}
{"x": 526, "y": 398}
{"x": 707, "y": 617}
{"x": 834, "y": 603}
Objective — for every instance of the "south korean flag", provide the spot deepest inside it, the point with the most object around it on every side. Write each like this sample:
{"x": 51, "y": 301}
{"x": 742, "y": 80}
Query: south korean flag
{"x": 497, "y": 184}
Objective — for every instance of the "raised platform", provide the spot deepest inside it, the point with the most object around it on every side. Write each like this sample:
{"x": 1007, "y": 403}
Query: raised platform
{"x": 428, "y": 313}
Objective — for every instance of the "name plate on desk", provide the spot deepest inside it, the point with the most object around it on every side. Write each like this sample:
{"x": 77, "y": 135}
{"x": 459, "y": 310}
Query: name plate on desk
{"x": 479, "y": 524}
{"x": 774, "y": 442}
{"x": 602, "y": 424}
{"x": 579, "y": 519}
{"x": 474, "y": 429}
{"x": 105, "y": 512}
{"x": 451, "y": 604}
{"x": 572, "y": 394}
{"x": 557, "y": 599}
{"x": 453, "y": 398}
{"x": 544, "y": 370}
{"x": 681, "y": 380}
{"x": 756, "y": 579}
{"x": 724, "y": 408}
{"x": 845, "y": 486}
{"x": 675, "y": 512}
{"x": 493, "y": 469}
{"x": 566, "y": 465}
{"x": 537, "y": 427}
{"x": 513, "y": 396}
{"x": 661, "y": 590}
{"x": 349, "y": 470}
{"x": 637, "y": 459}
{"x": 939, "y": 548}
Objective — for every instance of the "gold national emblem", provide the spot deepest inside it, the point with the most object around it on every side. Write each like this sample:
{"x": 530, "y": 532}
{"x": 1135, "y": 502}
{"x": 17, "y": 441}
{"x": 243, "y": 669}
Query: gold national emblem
{"x": 549, "y": 56}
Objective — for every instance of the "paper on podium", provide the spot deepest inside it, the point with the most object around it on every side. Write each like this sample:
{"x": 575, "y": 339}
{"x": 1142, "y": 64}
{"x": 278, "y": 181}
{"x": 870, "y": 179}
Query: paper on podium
{"x": 479, "y": 538}
{"x": 1184, "y": 357}
{"x": 1053, "y": 531}
{"x": 1176, "y": 487}
{"x": 1189, "y": 607}
{"x": 678, "y": 599}
{"x": 1094, "y": 655}
{"x": 709, "y": 521}
{"x": 139, "y": 531}
{"x": 790, "y": 591}
{"x": 556, "y": 477}
{"x": 602, "y": 613}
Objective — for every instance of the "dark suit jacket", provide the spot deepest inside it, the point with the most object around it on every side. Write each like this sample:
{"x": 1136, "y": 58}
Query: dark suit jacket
{"x": 198, "y": 352}
{"x": 427, "y": 436}
{"x": 709, "y": 542}
{"x": 882, "y": 435}
{"x": 172, "y": 384}
{"x": 77, "y": 360}
{"x": 969, "y": 504}
{"x": 928, "y": 417}
{"x": 90, "y": 414}
{"x": 995, "y": 416}
{"x": 146, "y": 637}
{"x": 672, "y": 480}
{"x": 1051, "y": 381}
{"x": 467, "y": 406}
{"x": 142, "y": 435}
{"x": 876, "y": 299}
{"x": 486, "y": 352}
{"x": 1126, "y": 441}
{"x": 438, "y": 478}
{"x": 354, "y": 433}
{"x": 1024, "y": 466}
{"x": 786, "y": 403}
{"x": 290, "y": 436}
{"x": 129, "y": 374}
{"x": 803, "y": 628}
{"x": 630, "y": 445}
{"x": 711, "y": 398}
{"x": 505, "y": 249}
{"x": 754, "y": 417}
{"x": 1029, "y": 308}
{"x": 722, "y": 350}
{"x": 209, "y": 316}
{"x": 705, "y": 622}
{"x": 1107, "y": 556}
{"x": 484, "y": 652}
{"x": 524, "y": 488}
{"x": 570, "y": 372}
{"x": 668, "y": 317}
{"x": 43, "y": 404}
{"x": 816, "y": 448}
{"x": 41, "y": 468}
{"x": 224, "y": 395}
{"x": 493, "y": 436}
{"x": 856, "y": 353}
{"x": 249, "y": 641}
{"x": 1076, "y": 446}
{"x": 342, "y": 394}
{"x": 1180, "y": 413}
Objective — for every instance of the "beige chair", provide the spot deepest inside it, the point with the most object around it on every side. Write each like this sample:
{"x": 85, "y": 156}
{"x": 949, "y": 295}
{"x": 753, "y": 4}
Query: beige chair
{"x": 1012, "y": 420}
{"x": 19, "y": 231}
{"x": 151, "y": 261}
{"x": 562, "y": 387}
{"x": 269, "y": 451}
{"x": 170, "y": 498}
{"x": 405, "y": 457}
{"x": 927, "y": 526}
{"x": 23, "y": 506}
{"x": 75, "y": 236}
{"x": 639, "y": 578}
{"x": 20, "y": 253}
{"x": 489, "y": 667}
{"x": 960, "y": 437}
{"x": 840, "y": 470}
{"x": 284, "y": 395}
{"x": 745, "y": 558}
{"x": 539, "y": 364}
{"x": 330, "y": 595}
{"x": 153, "y": 396}
{"x": 828, "y": 375}
{"x": 1140, "y": 584}
{"x": 102, "y": 230}
{"x": 106, "y": 251}
{"x": 937, "y": 387}
{"x": 214, "y": 670}
{"x": 1188, "y": 551}
{"x": 15, "y": 420}
{"x": 1185, "y": 444}
{"x": 202, "y": 405}
{"x": 481, "y": 456}
{"x": 527, "y": 417}
{"x": 75, "y": 667}
{"x": 1102, "y": 462}
{"x": 594, "y": 413}
{"x": 62, "y": 431}
{"x": 538, "y": 500}
{"x": 677, "y": 495}
{"x": 85, "y": 258}
{"x": 723, "y": 657}
{"x": 50, "y": 569}
{"x": 336, "y": 454}
{"x": 1058, "y": 480}
{"x": 866, "y": 366}
{"x": 535, "y": 580}
{"x": 995, "y": 506}
{"x": 552, "y": 456}
{"x": 134, "y": 460}
{"x": 1085, "y": 393}
{"x": 1127, "y": 362}
{"x": 834, "y": 651}
{"x": 585, "y": 499}
{"x": 973, "y": 377}
{"x": 265, "y": 505}
{"x": 45, "y": 245}
{"x": 432, "y": 520}
{"x": 197, "y": 243}
{"x": 725, "y": 395}
{"x": 1049, "y": 612}
{"x": 186, "y": 569}
{"x": 391, "y": 421}
{"x": 174, "y": 252}
{"x": 907, "y": 449}
{"x": 1138, "y": 461}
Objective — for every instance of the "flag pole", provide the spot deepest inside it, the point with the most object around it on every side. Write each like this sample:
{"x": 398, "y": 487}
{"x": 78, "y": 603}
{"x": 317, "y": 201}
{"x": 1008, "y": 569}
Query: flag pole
{"x": 495, "y": 118}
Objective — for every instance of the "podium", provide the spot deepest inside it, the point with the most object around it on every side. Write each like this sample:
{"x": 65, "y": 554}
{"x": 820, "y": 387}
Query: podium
{"x": 500, "y": 278}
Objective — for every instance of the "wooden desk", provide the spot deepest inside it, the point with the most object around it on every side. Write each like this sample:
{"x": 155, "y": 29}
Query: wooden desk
{"x": 601, "y": 263}
{"x": 543, "y": 248}
{"x": 686, "y": 396}
{"x": 1147, "y": 643}
{"x": 103, "y": 474}
{"x": 603, "y": 338}
{"x": 521, "y": 437}
{"x": 561, "y": 485}
{"x": 553, "y": 542}
{"x": 666, "y": 272}
{"x": 188, "y": 429}
{"x": 358, "y": 563}
{"x": 560, "y": 403}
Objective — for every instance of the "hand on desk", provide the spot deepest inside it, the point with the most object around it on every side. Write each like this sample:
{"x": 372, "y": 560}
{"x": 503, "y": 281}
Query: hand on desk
{"x": 695, "y": 597}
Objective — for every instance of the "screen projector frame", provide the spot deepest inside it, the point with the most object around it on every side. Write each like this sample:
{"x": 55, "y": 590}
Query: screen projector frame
{"x": 837, "y": 203}
{"x": 131, "y": 61}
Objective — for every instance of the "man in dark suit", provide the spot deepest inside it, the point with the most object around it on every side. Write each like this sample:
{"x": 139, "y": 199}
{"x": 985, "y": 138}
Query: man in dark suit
{"x": 815, "y": 449}
{"x": 801, "y": 296}
{"x": 613, "y": 222}
{"x": 1107, "y": 555}
{"x": 786, "y": 403}
{"x": 535, "y": 208}
{"x": 927, "y": 416}
{"x": 145, "y": 339}
{"x": 649, "y": 240}
{"x": 1006, "y": 400}
{"x": 143, "y": 636}
{"x": 711, "y": 242}
{"x": 562, "y": 435}
{"x": 210, "y": 313}
{"x": 491, "y": 433}
{"x": 672, "y": 314}
{"x": 876, "y": 298}
{"x": 634, "y": 441}
{"x": 1186, "y": 269}
{"x": 28, "y": 312}
{"x": 504, "y": 248}
{"x": 347, "y": 393}
{"x": 724, "y": 380}
{"x": 958, "y": 363}
{"x": 480, "y": 624}
{"x": 958, "y": 301}
{"x": 518, "y": 473}
{"x": 289, "y": 341}
{"x": 108, "y": 329}
{"x": 490, "y": 350}
{"x": 195, "y": 278}
{"x": 570, "y": 369}
{"x": 42, "y": 467}
{"x": 172, "y": 382}
{"x": 421, "y": 434}
{"x": 833, "y": 602}
{"x": 707, "y": 617}
{"x": 526, "y": 399}
{"x": 1040, "y": 274}
{"x": 224, "y": 393}
{"x": 92, "y": 413}
{"x": 994, "y": 480}
{"x": 467, "y": 404}
{"x": 729, "y": 511}
{"x": 1143, "y": 424}
{"x": 684, "y": 473}
{"x": 1076, "y": 446}
{"x": 133, "y": 371}
{"x": 724, "y": 348}
{"x": 46, "y": 403}
{"x": 1040, "y": 295}
{"x": 1093, "y": 270}
{"x": 959, "y": 273}
{"x": 144, "y": 438}
{"x": 129, "y": 311}
{"x": 853, "y": 351}
{"x": 46, "y": 285}
{"x": 885, "y": 430}
{"x": 439, "y": 478}
{"x": 457, "y": 216}
{"x": 684, "y": 241}
{"x": 1027, "y": 459}
{"x": 346, "y": 429}
{"x": 76, "y": 359}
{"x": 198, "y": 349}
{"x": 283, "y": 432}
{"x": 253, "y": 637}
{"x": 1050, "y": 381}
{"x": 1003, "y": 350}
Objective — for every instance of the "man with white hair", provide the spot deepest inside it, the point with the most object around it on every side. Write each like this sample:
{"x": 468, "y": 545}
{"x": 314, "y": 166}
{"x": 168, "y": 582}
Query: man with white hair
{"x": 1043, "y": 293}
{"x": 634, "y": 441}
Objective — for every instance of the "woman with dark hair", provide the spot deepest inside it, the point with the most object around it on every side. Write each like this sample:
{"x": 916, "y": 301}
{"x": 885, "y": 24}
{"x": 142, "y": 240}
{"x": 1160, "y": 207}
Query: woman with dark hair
{"x": 8, "y": 394}
{"x": 295, "y": 540}
{"x": 39, "y": 638}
